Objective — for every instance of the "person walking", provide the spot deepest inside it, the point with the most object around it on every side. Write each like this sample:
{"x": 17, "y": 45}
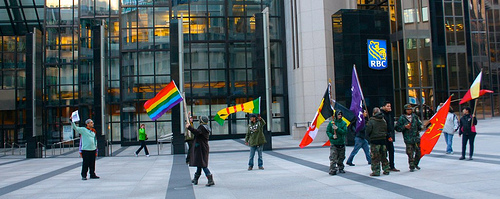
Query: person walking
{"x": 360, "y": 143}
{"x": 410, "y": 125}
{"x": 188, "y": 138}
{"x": 255, "y": 139}
{"x": 142, "y": 139}
{"x": 391, "y": 136}
{"x": 376, "y": 130}
{"x": 89, "y": 148}
{"x": 469, "y": 133}
{"x": 450, "y": 127}
{"x": 336, "y": 132}
{"x": 200, "y": 150}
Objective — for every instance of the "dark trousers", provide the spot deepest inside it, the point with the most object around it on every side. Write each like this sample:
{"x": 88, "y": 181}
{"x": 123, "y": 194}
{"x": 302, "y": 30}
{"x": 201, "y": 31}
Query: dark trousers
{"x": 189, "y": 143}
{"x": 390, "y": 149}
{"x": 471, "y": 138}
{"x": 143, "y": 145}
{"x": 88, "y": 163}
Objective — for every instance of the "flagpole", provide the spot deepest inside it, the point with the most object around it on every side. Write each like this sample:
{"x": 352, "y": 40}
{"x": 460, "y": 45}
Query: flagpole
{"x": 185, "y": 112}
{"x": 360, "y": 89}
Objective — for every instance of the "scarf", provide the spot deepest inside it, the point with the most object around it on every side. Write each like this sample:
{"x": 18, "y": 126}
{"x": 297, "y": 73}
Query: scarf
{"x": 91, "y": 129}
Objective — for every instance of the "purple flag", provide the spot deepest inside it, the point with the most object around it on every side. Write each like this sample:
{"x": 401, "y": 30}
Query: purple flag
{"x": 357, "y": 101}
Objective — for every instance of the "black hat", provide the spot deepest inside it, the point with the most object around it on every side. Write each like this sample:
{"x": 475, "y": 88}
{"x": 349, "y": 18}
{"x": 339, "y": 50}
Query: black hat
{"x": 252, "y": 115}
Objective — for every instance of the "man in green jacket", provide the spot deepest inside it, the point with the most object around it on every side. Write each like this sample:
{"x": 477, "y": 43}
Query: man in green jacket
{"x": 410, "y": 125}
{"x": 142, "y": 139}
{"x": 255, "y": 139}
{"x": 89, "y": 147}
{"x": 336, "y": 132}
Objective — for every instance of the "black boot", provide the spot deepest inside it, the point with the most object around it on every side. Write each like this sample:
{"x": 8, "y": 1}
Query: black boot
{"x": 195, "y": 179}
{"x": 210, "y": 180}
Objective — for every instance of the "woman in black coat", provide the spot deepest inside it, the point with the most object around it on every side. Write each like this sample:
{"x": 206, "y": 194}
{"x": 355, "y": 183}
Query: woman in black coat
{"x": 467, "y": 131}
{"x": 199, "y": 151}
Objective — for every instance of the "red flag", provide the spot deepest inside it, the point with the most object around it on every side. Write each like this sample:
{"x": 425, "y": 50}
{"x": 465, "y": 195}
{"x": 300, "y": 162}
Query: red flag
{"x": 432, "y": 134}
{"x": 468, "y": 97}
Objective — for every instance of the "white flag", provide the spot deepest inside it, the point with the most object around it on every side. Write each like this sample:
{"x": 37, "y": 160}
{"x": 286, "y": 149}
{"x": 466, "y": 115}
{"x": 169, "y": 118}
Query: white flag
{"x": 75, "y": 117}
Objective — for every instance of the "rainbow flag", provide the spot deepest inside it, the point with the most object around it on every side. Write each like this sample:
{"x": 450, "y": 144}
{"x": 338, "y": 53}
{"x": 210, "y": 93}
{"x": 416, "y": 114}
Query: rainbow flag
{"x": 167, "y": 98}
{"x": 247, "y": 107}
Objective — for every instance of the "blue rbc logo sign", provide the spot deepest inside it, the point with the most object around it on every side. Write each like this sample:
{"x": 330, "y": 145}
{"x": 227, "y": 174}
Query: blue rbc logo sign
{"x": 377, "y": 54}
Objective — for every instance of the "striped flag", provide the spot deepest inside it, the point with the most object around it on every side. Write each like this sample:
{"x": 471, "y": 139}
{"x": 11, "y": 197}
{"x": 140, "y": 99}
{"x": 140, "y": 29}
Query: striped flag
{"x": 347, "y": 116}
{"x": 167, "y": 98}
{"x": 325, "y": 111}
{"x": 475, "y": 90}
{"x": 248, "y": 107}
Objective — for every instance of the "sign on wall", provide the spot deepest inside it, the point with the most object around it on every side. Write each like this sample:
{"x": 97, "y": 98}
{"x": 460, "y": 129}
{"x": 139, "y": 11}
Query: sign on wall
{"x": 377, "y": 54}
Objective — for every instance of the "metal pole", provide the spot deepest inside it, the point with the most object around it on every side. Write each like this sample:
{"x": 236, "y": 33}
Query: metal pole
{"x": 267, "y": 66}
{"x": 103, "y": 80}
{"x": 181, "y": 68}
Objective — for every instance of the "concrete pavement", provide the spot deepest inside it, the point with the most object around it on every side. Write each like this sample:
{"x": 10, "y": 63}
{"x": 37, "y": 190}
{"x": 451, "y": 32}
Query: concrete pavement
{"x": 290, "y": 172}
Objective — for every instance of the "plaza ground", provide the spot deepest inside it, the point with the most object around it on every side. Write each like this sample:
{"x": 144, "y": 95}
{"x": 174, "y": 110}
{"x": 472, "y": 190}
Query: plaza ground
{"x": 290, "y": 172}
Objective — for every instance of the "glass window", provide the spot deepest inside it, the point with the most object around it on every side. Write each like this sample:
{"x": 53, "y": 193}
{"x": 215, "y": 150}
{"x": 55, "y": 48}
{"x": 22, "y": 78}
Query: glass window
{"x": 237, "y": 56}
{"x": 216, "y": 7}
{"x": 145, "y": 18}
{"x": 145, "y": 39}
{"x": 162, "y": 60}
{"x": 200, "y": 83}
{"x": 199, "y": 55}
{"x": 146, "y": 63}
{"x": 129, "y": 39}
{"x": 458, "y": 9}
{"x": 216, "y": 29}
{"x": 217, "y": 55}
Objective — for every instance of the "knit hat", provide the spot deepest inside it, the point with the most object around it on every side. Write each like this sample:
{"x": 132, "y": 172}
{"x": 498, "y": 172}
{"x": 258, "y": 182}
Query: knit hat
{"x": 204, "y": 119}
{"x": 252, "y": 115}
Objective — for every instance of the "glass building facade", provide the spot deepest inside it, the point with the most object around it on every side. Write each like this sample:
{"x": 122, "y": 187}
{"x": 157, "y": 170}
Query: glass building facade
{"x": 219, "y": 36}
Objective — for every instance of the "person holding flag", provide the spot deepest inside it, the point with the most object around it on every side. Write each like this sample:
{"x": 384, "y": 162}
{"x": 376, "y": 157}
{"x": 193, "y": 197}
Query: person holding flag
{"x": 469, "y": 133}
{"x": 336, "y": 131}
{"x": 255, "y": 139}
{"x": 360, "y": 142}
{"x": 410, "y": 125}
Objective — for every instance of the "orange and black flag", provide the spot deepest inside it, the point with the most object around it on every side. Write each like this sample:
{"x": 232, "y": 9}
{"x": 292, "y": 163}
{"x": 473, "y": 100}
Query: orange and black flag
{"x": 432, "y": 134}
{"x": 325, "y": 111}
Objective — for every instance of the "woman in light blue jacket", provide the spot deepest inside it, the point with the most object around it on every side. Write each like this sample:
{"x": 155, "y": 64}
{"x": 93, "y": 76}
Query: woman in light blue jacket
{"x": 450, "y": 127}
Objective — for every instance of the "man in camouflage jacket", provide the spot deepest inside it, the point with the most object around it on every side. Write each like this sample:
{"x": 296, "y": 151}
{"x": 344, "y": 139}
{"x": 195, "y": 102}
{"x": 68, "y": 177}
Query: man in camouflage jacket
{"x": 410, "y": 125}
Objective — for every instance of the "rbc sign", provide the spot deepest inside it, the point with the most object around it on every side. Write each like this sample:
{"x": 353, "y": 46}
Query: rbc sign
{"x": 377, "y": 54}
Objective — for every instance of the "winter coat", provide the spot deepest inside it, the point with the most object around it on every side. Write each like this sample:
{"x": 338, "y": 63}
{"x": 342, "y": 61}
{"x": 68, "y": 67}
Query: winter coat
{"x": 465, "y": 125}
{"x": 341, "y": 132}
{"x": 390, "y": 124}
{"x": 199, "y": 149}
{"x": 255, "y": 134}
{"x": 360, "y": 134}
{"x": 376, "y": 129}
{"x": 451, "y": 124}
{"x": 412, "y": 135}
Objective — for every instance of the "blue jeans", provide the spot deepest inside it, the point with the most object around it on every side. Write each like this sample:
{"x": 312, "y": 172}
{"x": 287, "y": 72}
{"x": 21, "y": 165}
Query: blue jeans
{"x": 358, "y": 144}
{"x": 252, "y": 154}
{"x": 449, "y": 141}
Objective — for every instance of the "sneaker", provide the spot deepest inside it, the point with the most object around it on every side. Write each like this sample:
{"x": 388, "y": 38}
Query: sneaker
{"x": 147, "y": 155}
{"x": 369, "y": 163}
{"x": 84, "y": 178}
{"x": 386, "y": 172}
{"x": 447, "y": 152}
{"x": 461, "y": 158}
{"x": 261, "y": 168}
{"x": 451, "y": 153}
{"x": 136, "y": 155}
{"x": 332, "y": 173}
{"x": 395, "y": 170}
{"x": 374, "y": 174}
{"x": 417, "y": 167}
{"x": 250, "y": 168}
{"x": 350, "y": 164}
{"x": 94, "y": 177}
{"x": 341, "y": 171}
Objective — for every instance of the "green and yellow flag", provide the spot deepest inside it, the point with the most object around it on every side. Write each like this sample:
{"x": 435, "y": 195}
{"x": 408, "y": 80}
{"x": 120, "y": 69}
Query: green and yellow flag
{"x": 248, "y": 107}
